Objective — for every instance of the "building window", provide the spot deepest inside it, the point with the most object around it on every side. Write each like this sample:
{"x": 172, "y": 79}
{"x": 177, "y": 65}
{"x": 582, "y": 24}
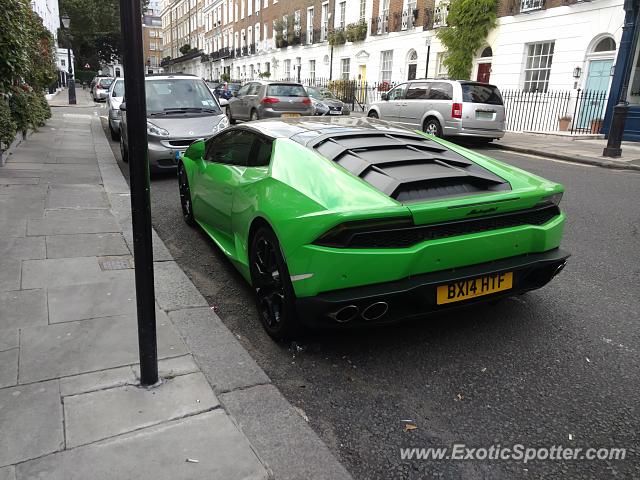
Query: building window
{"x": 257, "y": 5}
{"x": 266, "y": 3}
{"x": 297, "y": 23}
{"x": 440, "y": 14}
{"x": 441, "y": 69}
{"x": 152, "y": 33}
{"x": 363, "y": 5}
{"x": 538, "y": 66}
{"x": 345, "y": 65}
{"x": 528, "y": 5}
{"x": 63, "y": 62}
{"x": 386, "y": 64}
{"x": 287, "y": 69}
{"x": 312, "y": 70}
{"x": 310, "y": 25}
{"x": 324, "y": 29}
{"x": 342, "y": 14}
{"x": 249, "y": 4}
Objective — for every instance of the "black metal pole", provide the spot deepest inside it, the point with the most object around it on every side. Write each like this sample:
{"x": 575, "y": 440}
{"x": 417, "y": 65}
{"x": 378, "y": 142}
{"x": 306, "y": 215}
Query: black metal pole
{"x": 426, "y": 70}
{"x": 130, "y": 19}
{"x": 331, "y": 64}
{"x": 70, "y": 82}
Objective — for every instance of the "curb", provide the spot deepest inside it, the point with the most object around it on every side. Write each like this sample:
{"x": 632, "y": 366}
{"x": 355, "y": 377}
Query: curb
{"x": 611, "y": 164}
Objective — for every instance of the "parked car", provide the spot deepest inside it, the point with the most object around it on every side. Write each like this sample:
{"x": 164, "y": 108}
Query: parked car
{"x": 340, "y": 221}
{"x": 444, "y": 108}
{"x": 101, "y": 88}
{"x": 180, "y": 110}
{"x": 325, "y": 102}
{"x": 264, "y": 99}
{"x": 225, "y": 90}
{"x": 115, "y": 95}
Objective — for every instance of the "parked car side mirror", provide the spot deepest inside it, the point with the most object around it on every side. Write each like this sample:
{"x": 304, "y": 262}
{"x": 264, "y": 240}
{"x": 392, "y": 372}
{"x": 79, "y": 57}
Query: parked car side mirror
{"x": 223, "y": 102}
{"x": 123, "y": 107}
{"x": 384, "y": 96}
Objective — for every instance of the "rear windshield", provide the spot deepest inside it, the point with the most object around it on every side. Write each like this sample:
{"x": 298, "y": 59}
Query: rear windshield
{"x": 285, "y": 90}
{"x": 481, "y": 93}
{"x": 106, "y": 81}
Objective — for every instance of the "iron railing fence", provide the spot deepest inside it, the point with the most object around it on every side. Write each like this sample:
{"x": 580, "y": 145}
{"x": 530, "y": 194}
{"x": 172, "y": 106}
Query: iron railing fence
{"x": 574, "y": 111}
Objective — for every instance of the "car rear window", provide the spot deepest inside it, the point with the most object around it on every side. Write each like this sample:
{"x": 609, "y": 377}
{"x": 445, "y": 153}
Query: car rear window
{"x": 286, "y": 90}
{"x": 106, "y": 82}
{"x": 481, "y": 93}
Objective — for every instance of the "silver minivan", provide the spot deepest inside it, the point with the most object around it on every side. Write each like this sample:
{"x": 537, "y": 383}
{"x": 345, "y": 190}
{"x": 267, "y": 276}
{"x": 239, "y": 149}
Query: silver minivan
{"x": 444, "y": 108}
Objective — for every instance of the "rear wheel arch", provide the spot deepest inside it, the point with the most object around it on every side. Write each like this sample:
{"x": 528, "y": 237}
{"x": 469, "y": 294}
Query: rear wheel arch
{"x": 430, "y": 117}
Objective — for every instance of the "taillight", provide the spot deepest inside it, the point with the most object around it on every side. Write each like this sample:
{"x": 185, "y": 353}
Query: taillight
{"x": 307, "y": 101}
{"x": 269, "y": 100}
{"x": 456, "y": 110}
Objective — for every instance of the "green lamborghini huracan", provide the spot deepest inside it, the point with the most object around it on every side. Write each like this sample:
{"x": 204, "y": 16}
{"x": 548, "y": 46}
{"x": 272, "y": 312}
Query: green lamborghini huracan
{"x": 353, "y": 221}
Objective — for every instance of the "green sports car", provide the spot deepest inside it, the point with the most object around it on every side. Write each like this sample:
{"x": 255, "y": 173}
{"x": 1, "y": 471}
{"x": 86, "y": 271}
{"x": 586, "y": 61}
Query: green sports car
{"x": 353, "y": 221}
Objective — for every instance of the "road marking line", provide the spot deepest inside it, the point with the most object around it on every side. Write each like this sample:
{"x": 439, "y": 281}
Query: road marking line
{"x": 577, "y": 164}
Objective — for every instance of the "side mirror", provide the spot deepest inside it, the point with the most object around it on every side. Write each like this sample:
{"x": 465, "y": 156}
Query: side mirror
{"x": 223, "y": 102}
{"x": 123, "y": 107}
{"x": 195, "y": 150}
{"x": 384, "y": 96}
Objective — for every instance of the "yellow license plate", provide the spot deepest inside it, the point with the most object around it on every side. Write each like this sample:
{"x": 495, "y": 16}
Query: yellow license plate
{"x": 290, "y": 115}
{"x": 476, "y": 287}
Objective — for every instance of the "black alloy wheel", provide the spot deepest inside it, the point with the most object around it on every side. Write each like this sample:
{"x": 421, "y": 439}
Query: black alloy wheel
{"x": 372, "y": 114}
{"x": 185, "y": 196}
{"x": 123, "y": 151}
{"x": 272, "y": 285}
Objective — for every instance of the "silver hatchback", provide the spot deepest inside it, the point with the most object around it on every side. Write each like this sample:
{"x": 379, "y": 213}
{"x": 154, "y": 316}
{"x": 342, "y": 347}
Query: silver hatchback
{"x": 262, "y": 99}
{"x": 444, "y": 108}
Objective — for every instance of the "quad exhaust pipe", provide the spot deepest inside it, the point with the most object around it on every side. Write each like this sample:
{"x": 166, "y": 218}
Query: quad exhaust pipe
{"x": 350, "y": 312}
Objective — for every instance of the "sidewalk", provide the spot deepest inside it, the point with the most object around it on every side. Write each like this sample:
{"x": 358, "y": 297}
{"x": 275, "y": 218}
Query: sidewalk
{"x": 571, "y": 148}
{"x": 83, "y": 98}
{"x": 71, "y": 407}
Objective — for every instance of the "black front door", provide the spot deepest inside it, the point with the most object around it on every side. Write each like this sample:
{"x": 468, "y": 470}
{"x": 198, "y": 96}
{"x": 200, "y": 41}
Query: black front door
{"x": 412, "y": 72}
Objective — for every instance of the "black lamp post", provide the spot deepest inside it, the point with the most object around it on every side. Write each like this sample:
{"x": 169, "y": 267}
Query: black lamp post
{"x": 66, "y": 21}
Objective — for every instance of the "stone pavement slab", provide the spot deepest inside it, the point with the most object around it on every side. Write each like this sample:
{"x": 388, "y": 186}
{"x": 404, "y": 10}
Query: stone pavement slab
{"x": 12, "y": 206}
{"x": 76, "y": 196}
{"x": 93, "y": 300}
{"x": 19, "y": 181}
{"x": 23, "y": 308}
{"x": 86, "y": 245}
{"x": 57, "y": 222}
{"x": 12, "y": 227}
{"x": 67, "y": 271}
{"x": 30, "y": 422}
{"x": 22, "y": 248}
{"x": 9, "y": 274}
{"x": 171, "y": 367}
{"x": 105, "y": 413}
{"x": 269, "y": 422}
{"x": 8, "y": 473}
{"x": 173, "y": 288}
{"x": 210, "y": 438}
{"x": 223, "y": 360}
{"x": 8, "y": 338}
{"x": 103, "y": 379}
{"x": 72, "y": 348}
{"x": 8, "y": 368}
{"x": 160, "y": 252}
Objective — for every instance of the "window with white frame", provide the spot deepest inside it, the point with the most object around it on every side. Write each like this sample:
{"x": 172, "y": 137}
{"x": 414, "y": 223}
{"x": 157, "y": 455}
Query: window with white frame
{"x": 529, "y": 5}
{"x": 312, "y": 70}
{"x": 242, "y": 9}
{"x": 257, "y": 5}
{"x": 297, "y": 24}
{"x": 441, "y": 68}
{"x": 342, "y": 13}
{"x": 324, "y": 28}
{"x": 310, "y": 25}
{"x": 440, "y": 14}
{"x": 266, "y": 4}
{"x": 266, "y": 36}
{"x": 249, "y": 4}
{"x": 287, "y": 69}
{"x": 386, "y": 65}
{"x": 538, "y": 66}
{"x": 345, "y": 67}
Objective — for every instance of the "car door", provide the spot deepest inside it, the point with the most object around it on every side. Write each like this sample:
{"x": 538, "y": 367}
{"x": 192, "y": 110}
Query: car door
{"x": 251, "y": 97}
{"x": 415, "y": 104}
{"x": 440, "y": 103}
{"x": 238, "y": 104}
{"x": 390, "y": 109}
{"x": 225, "y": 160}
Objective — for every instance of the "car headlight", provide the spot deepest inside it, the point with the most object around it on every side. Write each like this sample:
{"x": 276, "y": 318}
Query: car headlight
{"x": 222, "y": 124}
{"x": 555, "y": 198}
{"x": 156, "y": 131}
{"x": 320, "y": 108}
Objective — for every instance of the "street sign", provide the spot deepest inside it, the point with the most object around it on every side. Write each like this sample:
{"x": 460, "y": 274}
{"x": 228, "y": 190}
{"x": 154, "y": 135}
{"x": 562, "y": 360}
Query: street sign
{"x": 87, "y": 66}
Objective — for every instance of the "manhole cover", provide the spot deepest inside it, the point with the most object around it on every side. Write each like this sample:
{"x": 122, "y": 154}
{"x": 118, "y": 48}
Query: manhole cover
{"x": 115, "y": 263}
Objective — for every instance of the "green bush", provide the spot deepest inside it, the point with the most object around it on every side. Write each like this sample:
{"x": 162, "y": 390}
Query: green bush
{"x": 29, "y": 109}
{"x": 337, "y": 37}
{"x": 7, "y": 125}
{"x": 357, "y": 32}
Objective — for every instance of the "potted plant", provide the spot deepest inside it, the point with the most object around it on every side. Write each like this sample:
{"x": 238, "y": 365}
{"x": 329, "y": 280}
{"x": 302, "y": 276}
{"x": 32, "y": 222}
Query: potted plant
{"x": 596, "y": 125}
{"x": 563, "y": 123}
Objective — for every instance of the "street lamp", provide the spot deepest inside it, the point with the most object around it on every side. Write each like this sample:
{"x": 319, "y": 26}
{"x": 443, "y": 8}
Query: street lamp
{"x": 66, "y": 21}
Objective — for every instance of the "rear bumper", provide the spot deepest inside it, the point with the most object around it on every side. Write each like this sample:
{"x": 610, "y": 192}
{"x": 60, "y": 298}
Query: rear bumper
{"x": 271, "y": 113}
{"x": 416, "y": 296}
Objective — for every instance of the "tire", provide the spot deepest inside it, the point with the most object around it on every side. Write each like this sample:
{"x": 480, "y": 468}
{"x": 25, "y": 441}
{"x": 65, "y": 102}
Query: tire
{"x": 373, "y": 114}
{"x": 254, "y": 115}
{"x": 274, "y": 294}
{"x": 114, "y": 135}
{"x": 431, "y": 125}
{"x": 185, "y": 196}
{"x": 123, "y": 151}
{"x": 232, "y": 121}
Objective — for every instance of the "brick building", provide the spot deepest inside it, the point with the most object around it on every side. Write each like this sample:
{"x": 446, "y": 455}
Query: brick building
{"x": 536, "y": 45}
{"x": 152, "y": 42}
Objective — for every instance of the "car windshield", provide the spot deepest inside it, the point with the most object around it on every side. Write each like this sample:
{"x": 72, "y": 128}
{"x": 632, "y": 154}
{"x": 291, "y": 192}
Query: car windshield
{"x": 179, "y": 95}
{"x": 314, "y": 93}
{"x": 118, "y": 88}
{"x": 327, "y": 93}
{"x": 286, "y": 90}
{"x": 481, "y": 93}
{"x": 106, "y": 82}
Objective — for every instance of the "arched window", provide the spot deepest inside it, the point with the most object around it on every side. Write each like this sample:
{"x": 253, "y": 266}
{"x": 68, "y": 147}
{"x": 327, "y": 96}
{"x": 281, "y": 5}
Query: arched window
{"x": 412, "y": 56}
{"x": 607, "y": 44}
{"x": 487, "y": 52}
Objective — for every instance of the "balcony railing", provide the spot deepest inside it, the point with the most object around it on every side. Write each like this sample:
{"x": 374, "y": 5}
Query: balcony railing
{"x": 380, "y": 25}
{"x": 224, "y": 52}
{"x": 530, "y": 5}
{"x": 245, "y": 50}
{"x": 324, "y": 32}
{"x": 440, "y": 15}
{"x": 253, "y": 48}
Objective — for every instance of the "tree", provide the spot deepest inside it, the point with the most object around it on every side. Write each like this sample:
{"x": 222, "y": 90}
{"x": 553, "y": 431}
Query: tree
{"x": 184, "y": 49}
{"x": 469, "y": 24}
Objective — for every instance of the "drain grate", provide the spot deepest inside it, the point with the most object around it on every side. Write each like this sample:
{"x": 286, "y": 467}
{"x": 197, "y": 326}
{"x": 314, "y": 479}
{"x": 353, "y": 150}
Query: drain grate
{"x": 115, "y": 263}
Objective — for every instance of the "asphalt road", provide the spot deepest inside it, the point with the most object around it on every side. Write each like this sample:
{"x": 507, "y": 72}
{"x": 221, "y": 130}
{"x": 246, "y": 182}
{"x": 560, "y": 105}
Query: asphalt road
{"x": 558, "y": 366}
